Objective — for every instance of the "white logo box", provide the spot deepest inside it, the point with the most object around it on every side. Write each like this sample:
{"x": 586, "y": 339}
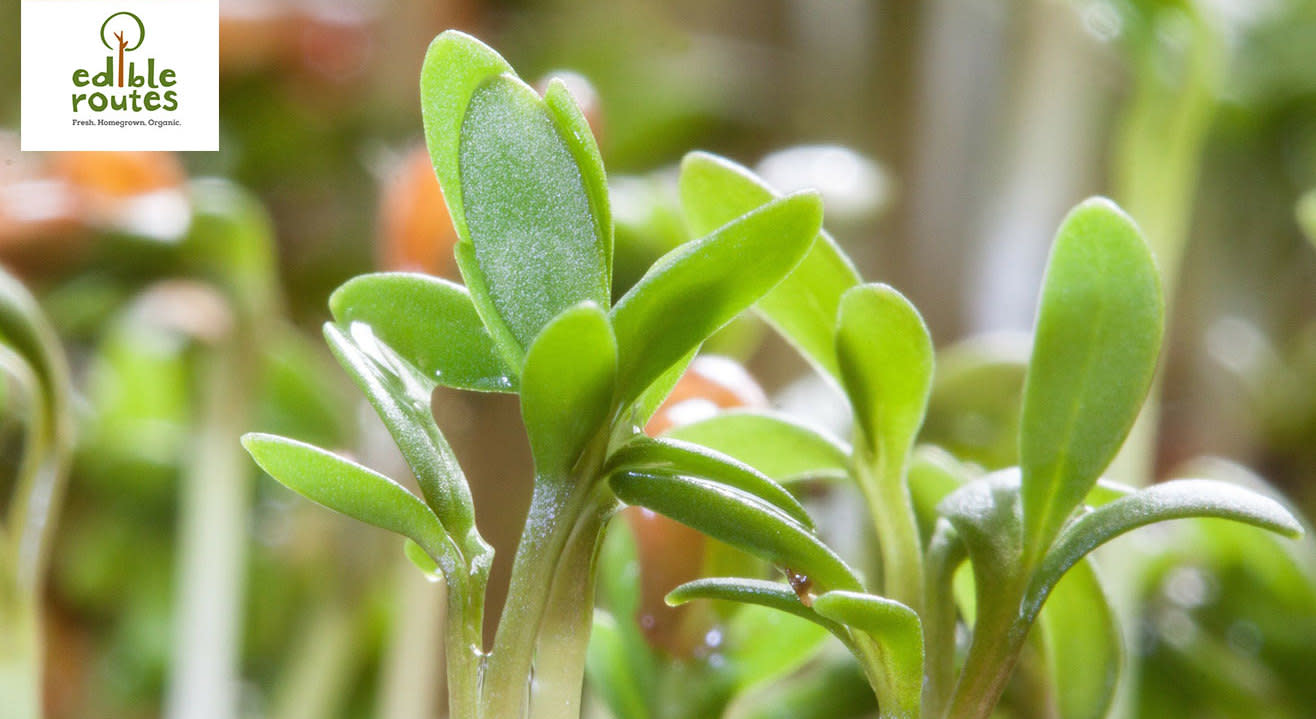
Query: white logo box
{"x": 177, "y": 39}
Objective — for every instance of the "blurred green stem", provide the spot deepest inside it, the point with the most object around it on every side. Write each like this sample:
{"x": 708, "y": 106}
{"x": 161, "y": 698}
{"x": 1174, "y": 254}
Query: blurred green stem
{"x": 314, "y": 683}
{"x": 413, "y": 659}
{"x": 20, "y": 658}
{"x": 213, "y": 539}
{"x": 1157, "y": 156}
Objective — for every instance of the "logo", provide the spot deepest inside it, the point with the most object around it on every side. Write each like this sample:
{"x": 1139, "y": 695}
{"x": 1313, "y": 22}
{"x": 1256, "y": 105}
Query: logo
{"x": 124, "y": 84}
{"x": 119, "y": 75}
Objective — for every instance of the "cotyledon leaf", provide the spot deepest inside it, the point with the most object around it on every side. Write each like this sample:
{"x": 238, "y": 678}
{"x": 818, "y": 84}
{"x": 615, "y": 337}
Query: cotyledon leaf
{"x": 896, "y": 630}
{"x": 1083, "y": 644}
{"x": 1098, "y": 336}
{"x": 693, "y": 290}
{"x": 528, "y": 209}
{"x": 774, "y": 444}
{"x": 575, "y": 130}
{"x": 456, "y": 64}
{"x": 351, "y": 489}
{"x": 431, "y": 323}
{"x": 737, "y": 518}
{"x": 1176, "y": 499}
{"x": 885, "y": 356}
{"x": 670, "y": 456}
{"x": 400, "y": 395}
{"x": 803, "y": 307}
{"x": 567, "y": 386}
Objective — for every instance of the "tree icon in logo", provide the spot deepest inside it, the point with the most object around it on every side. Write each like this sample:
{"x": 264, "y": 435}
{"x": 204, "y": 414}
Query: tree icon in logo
{"x": 124, "y": 27}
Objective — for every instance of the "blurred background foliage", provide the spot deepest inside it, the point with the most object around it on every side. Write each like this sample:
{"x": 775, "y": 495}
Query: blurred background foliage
{"x": 948, "y": 137}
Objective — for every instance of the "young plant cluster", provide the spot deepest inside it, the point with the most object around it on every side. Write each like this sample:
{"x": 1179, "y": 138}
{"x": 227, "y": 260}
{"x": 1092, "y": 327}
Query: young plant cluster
{"x": 526, "y": 189}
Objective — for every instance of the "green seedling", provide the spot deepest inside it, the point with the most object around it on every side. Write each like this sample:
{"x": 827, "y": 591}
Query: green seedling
{"x": 1098, "y": 334}
{"x": 526, "y": 191}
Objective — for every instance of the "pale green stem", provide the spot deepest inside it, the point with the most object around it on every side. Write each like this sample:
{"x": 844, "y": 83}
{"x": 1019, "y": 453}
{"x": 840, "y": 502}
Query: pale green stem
{"x": 993, "y": 653}
{"x": 551, "y": 519}
{"x": 412, "y": 660}
{"x": 564, "y": 634}
{"x": 314, "y": 682}
{"x": 882, "y": 481}
{"x": 557, "y": 506}
{"x": 464, "y": 644}
{"x": 20, "y": 656}
{"x": 213, "y": 521}
{"x": 875, "y": 666}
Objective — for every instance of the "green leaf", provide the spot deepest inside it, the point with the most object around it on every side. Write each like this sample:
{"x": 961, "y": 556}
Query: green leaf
{"x": 885, "y": 356}
{"x": 349, "y": 488}
{"x": 1098, "y": 335}
{"x": 774, "y": 444}
{"x": 715, "y": 191}
{"x": 898, "y": 634}
{"x": 400, "y": 395}
{"x": 1176, "y": 499}
{"x": 657, "y": 392}
{"x": 421, "y": 559}
{"x": 764, "y": 645}
{"x": 1083, "y": 644}
{"x": 575, "y": 131}
{"x": 985, "y": 515}
{"x": 608, "y": 667}
{"x": 760, "y": 592}
{"x": 701, "y": 285}
{"x": 674, "y": 457}
{"x": 528, "y": 209}
{"x": 737, "y": 518}
{"x": 973, "y": 411}
{"x": 933, "y": 475}
{"x": 431, "y": 323}
{"x": 567, "y": 386}
{"x": 455, "y": 66}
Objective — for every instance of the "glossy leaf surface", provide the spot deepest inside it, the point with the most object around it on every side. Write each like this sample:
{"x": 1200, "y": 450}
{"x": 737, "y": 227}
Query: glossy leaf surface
{"x": 567, "y": 386}
{"x": 737, "y": 518}
{"x": 1098, "y": 335}
{"x": 715, "y": 191}
{"x": 674, "y": 457}
{"x": 349, "y": 488}
{"x": 700, "y": 286}
{"x": 431, "y": 323}
{"x": 774, "y": 444}
{"x": 400, "y": 395}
